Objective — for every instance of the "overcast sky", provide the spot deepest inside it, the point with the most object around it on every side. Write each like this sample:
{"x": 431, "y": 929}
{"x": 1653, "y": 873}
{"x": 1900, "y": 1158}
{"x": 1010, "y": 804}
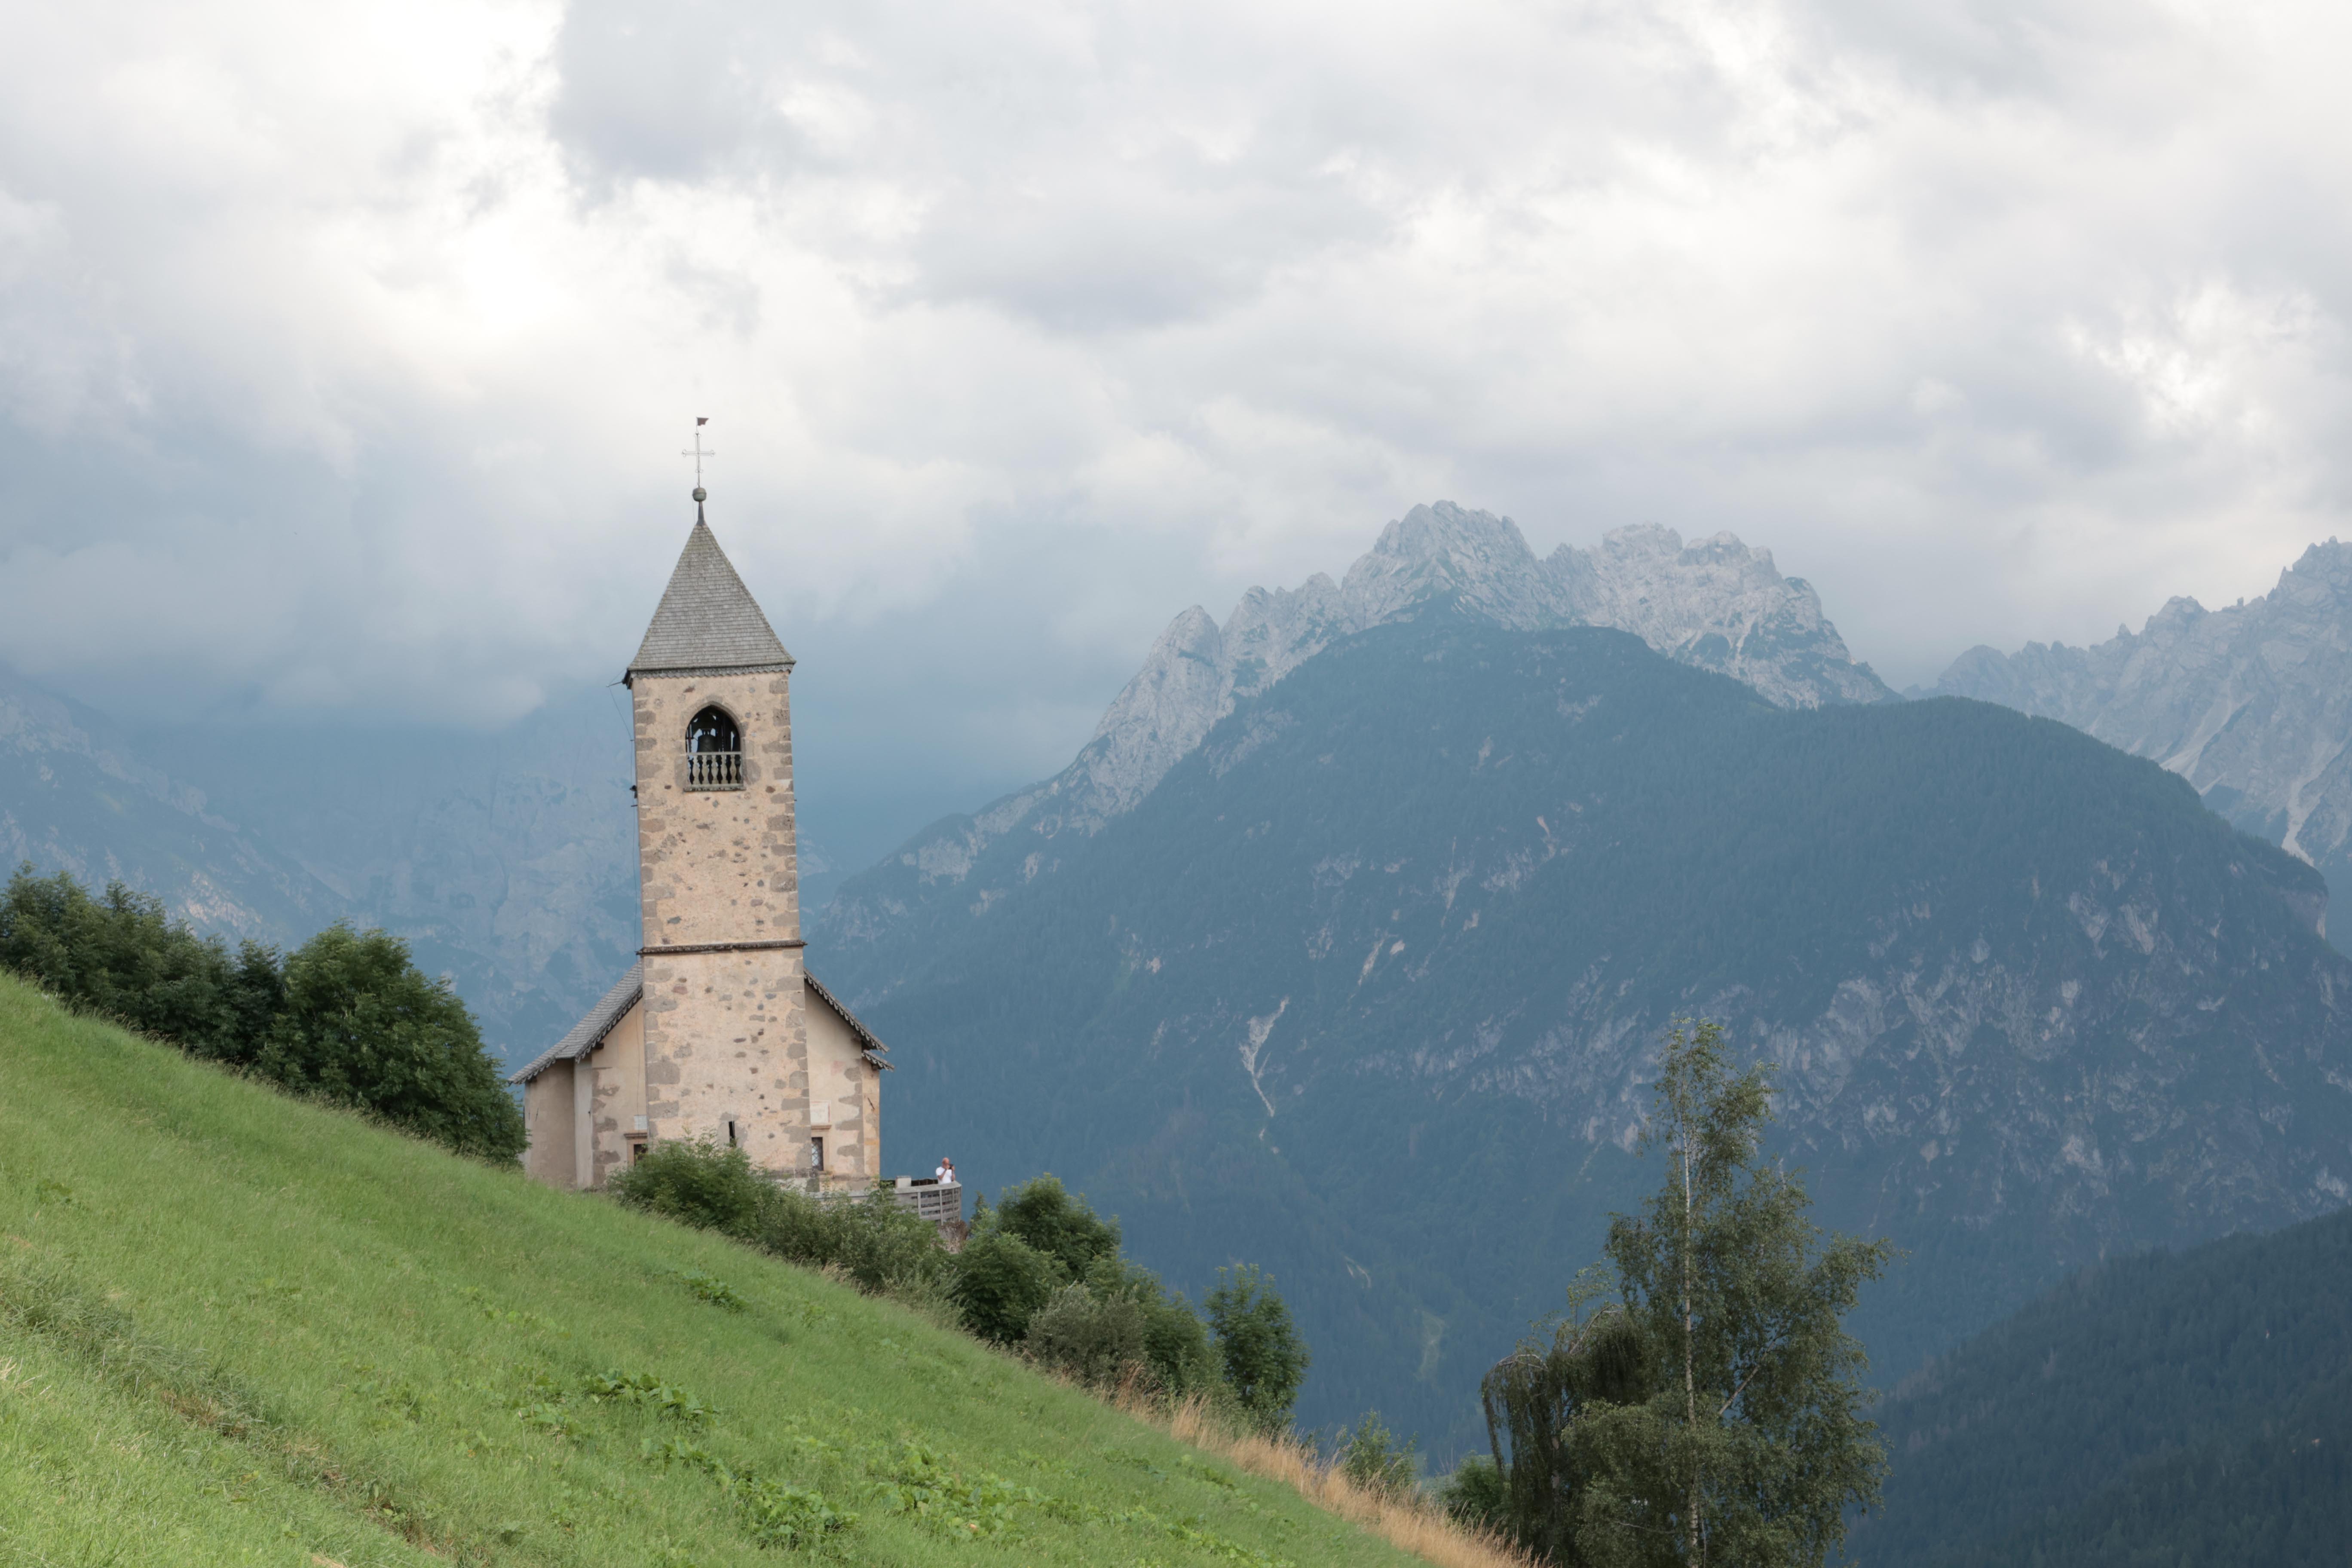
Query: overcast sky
{"x": 347, "y": 350}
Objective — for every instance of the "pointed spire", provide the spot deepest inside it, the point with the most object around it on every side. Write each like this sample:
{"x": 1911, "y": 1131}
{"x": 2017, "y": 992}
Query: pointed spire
{"x": 708, "y": 619}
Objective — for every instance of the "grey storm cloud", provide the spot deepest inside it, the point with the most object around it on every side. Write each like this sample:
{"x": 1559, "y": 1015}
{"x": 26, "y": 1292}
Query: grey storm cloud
{"x": 346, "y": 349}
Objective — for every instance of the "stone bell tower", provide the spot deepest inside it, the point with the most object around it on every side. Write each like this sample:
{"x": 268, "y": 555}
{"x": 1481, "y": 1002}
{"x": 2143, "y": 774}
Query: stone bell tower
{"x": 727, "y": 1000}
{"x": 718, "y": 1032}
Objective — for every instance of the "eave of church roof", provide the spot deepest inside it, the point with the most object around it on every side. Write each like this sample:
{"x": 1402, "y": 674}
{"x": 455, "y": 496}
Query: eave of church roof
{"x": 872, "y": 1049}
{"x": 590, "y": 1031}
{"x": 707, "y": 620}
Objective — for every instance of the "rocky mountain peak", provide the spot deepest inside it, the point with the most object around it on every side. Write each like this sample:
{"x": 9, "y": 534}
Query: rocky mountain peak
{"x": 1441, "y": 552}
{"x": 1714, "y": 603}
{"x": 2251, "y": 703}
{"x": 1717, "y": 604}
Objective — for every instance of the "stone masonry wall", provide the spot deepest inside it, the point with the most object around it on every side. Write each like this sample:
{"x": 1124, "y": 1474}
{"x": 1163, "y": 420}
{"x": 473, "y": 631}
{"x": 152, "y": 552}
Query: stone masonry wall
{"x": 726, "y": 1035}
{"x": 724, "y": 1042}
{"x": 716, "y": 865}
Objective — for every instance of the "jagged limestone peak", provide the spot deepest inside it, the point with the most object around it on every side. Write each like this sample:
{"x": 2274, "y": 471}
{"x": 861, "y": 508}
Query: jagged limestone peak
{"x": 2251, "y": 703}
{"x": 1714, "y": 603}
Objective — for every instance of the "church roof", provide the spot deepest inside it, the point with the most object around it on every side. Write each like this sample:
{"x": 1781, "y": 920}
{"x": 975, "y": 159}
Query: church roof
{"x": 872, "y": 1049}
{"x": 708, "y": 619}
{"x": 590, "y": 1031}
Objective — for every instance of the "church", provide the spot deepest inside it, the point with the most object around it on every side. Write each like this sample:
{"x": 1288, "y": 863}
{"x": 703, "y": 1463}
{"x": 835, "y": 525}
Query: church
{"x": 718, "y": 1032}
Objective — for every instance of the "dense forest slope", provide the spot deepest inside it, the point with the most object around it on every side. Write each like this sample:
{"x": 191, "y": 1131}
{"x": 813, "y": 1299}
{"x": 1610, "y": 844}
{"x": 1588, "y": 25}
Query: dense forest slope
{"x": 1369, "y": 989}
{"x": 2151, "y": 1411}
{"x": 238, "y": 1329}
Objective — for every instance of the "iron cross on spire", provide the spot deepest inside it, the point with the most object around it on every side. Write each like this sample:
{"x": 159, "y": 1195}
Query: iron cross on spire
{"x": 697, "y": 452}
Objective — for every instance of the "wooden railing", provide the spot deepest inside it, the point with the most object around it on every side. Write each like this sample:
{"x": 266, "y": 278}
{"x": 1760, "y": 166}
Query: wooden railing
{"x": 714, "y": 770}
{"x": 938, "y": 1202}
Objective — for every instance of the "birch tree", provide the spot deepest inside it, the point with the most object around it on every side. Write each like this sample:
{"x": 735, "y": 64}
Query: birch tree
{"x": 1727, "y": 1431}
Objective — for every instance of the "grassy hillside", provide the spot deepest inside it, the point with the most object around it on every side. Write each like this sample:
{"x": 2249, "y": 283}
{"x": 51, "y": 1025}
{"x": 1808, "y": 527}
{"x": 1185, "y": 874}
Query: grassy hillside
{"x": 236, "y": 1328}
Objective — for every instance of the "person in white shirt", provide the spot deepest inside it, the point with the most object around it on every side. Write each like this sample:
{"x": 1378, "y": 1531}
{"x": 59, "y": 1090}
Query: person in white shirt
{"x": 945, "y": 1176}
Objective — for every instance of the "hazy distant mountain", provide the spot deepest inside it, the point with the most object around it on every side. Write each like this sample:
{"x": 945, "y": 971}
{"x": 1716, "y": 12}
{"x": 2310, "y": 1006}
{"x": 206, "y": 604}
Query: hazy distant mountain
{"x": 2158, "y": 1409}
{"x": 74, "y": 798}
{"x": 1368, "y": 988}
{"x": 2253, "y": 704}
{"x": 1713, "y": 604}
{"x": 508, "y": 859}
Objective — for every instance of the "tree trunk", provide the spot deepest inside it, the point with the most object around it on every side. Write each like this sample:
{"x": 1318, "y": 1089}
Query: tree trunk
{"x": 1695, "y": 1553}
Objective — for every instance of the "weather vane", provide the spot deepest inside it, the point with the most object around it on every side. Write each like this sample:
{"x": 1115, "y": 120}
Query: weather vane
{"x": 697, "y": 452}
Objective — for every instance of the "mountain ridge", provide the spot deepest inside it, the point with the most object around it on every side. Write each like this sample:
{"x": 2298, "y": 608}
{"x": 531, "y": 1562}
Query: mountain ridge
{"x": 2251, "y": 703}
{"x": 74, "y": 798}
{"x": 1370, "y": 987}
{"x": 1714, "y": 604}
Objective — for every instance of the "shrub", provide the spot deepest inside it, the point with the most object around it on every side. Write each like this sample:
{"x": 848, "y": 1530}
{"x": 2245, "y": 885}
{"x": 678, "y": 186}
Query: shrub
{"x": 1115, "y": 1321}
{"x": 1371, "y": 1456}
{"x": 118, "y": 956}
{"x": 347, "y": 1018}
{"x": 360, "y": 1025}
{"x": 1265, "y": 1360}
{"x": 886, "y": 1249}
{"x": 1477, "y": 1495}
{"x": 1001, "y": 1281}
{"x": 696, "y": 1183}
{"x": 1097, "y": 1340}
{"x": 1175, "y": 1342}
{"x": 1056, "y": 1223}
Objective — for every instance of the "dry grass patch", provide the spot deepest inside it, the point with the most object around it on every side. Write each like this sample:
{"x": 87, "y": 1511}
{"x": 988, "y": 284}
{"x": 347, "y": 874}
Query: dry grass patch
{"x": 1412, "y": 1523}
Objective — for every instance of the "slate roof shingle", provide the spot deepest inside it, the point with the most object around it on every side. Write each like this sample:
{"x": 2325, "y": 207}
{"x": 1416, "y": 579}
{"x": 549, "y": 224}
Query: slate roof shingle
{"x": 708, "y": 619}
{"x": 590, "y": 1031}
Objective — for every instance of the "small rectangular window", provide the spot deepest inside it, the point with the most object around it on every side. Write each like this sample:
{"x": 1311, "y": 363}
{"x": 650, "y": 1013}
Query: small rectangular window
{"x": 816, "y": 1154}
{"x": 730, "y": 1132}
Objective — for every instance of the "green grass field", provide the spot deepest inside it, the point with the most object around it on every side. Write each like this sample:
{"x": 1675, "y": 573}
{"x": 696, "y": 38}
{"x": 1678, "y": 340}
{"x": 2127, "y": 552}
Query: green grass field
{"x": 237, "y": 1329}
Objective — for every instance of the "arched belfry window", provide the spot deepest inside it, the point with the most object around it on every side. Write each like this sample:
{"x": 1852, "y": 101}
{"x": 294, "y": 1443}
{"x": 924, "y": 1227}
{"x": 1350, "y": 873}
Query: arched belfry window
{"x": 714, "y": 751}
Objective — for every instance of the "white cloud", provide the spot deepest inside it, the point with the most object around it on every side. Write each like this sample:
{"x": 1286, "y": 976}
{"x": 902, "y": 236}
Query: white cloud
{"x": 344, "y": 349}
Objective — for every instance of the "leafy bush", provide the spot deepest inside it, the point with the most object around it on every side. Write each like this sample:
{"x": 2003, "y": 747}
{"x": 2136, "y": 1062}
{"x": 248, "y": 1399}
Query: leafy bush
{"x": 1001, "y": 1281}
{"x": 118, "y": 956}
{"x": 1371, "y": 1456}
{"x": 1057, "y": 1224}
{"x": 717, "y": 1291}
{"x": 1265, "y": 1359}
{"x": 360, "y": 1025}
{"x": 1004, "y": 1286}
{"x": 697, "y": 1184}
{"x": 1175, "y": 1342}
{"x": 1476, "y": 1495}
{"x": 347, "y": 1017}
{"x": 886, "y": 1249}
{"x": 1096, "y": 1340}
